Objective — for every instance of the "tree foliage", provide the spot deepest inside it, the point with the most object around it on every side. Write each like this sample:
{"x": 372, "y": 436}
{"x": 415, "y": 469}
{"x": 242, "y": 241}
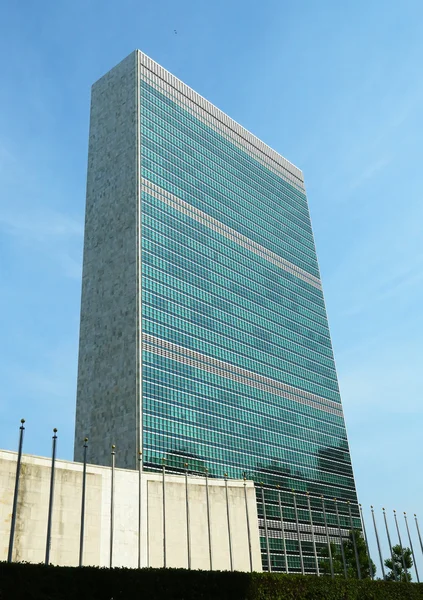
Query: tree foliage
{"x": 400, "y": 557}
{"x": 350, "y": 558}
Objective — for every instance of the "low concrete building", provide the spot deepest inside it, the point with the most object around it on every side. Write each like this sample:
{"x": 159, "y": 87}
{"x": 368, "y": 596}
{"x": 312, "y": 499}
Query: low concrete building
{"x": 207, "y": 535}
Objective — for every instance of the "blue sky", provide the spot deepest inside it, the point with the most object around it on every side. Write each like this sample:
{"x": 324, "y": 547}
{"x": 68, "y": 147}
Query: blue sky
{"x": 335, "y": 87}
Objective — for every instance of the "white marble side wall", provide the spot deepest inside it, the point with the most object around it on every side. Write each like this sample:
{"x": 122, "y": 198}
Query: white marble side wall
{"x": 107, "y": 405}
{"x": 31, "y": 523}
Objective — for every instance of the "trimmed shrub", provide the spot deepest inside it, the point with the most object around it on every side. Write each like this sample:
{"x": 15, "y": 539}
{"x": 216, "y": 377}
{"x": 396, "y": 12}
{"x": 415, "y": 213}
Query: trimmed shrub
{"x": 37, "y": 582}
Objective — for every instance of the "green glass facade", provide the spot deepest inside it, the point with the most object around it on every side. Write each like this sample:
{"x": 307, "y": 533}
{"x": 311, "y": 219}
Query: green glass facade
{"x": 238, "y": 373}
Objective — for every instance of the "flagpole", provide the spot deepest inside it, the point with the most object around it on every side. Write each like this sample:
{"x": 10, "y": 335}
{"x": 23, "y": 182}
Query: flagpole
{"x": 164, "y": 510}
{"x": 229, "y": 523}
{"x": 248, "y": 524}
{"x": 51, "y": 499}
{"x": 112, "y": 505}
{"x": 328, "y": 538}
{"x": 400, "y": 543}
{"x": 340, "y": 539}
{"x": 84, "y": 481}
{"x": 418, "y": 531}
{"x": 139, "y": 506}
{"x": 298, "y": 533}
{"x": 15, "y": 495}
{"x": 266, "y": 533}
{"x": 378, "y": 543}
{"x": 394, "y": 569}
{"x": 312, "y": 536}
{"x": 354, "y": 542}
{"x": 283, "y": 531}
{"x": 206, "y": 471}
{"x": 187, "y": 514}
{"x": 411, "y": 546}
{"x": 367, "y": 543}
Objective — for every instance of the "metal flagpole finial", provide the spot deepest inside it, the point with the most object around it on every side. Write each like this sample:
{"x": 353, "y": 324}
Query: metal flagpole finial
{"x": 186, "y": 465}
{"x": 55, "y": 430}
{"x": 22, "y": 421}
{"x": 85, "y": 440}
{"x": 226, "y": 475}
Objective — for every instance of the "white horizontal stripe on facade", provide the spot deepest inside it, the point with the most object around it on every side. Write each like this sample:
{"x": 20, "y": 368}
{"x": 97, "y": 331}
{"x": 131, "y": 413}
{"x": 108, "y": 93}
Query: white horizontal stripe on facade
{"x": 154, "y": 74}
{"x": 213, "y": 365}
{"x": 304, "y": 527}
{"x": 290, "y": 530}
{"x": 240, "y": 239}
{"x": 291, "y": 534}
{"x": 319, "y": 539}
{"x": 168, "y": 319}
{"x": 169, "y": 135}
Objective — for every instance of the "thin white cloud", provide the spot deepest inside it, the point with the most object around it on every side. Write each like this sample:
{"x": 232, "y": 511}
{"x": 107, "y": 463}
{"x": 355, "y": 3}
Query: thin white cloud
{"x": 381, "y": 375}
{"x": 385, "y": 264}
{"x": 40, "y": 225}
{"x": 369, "y": 172}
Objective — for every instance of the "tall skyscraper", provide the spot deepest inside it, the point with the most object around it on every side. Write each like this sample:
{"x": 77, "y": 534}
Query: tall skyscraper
{"x": 204, "y": 336}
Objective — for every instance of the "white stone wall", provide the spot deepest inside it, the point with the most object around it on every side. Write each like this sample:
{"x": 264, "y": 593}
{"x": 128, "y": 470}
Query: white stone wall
{"x": 31, "y": 524}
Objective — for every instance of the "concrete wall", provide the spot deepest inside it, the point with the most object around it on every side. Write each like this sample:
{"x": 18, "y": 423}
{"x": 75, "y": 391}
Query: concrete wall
{"x": 107, "y": 409}
{"x": 31, "y": 526}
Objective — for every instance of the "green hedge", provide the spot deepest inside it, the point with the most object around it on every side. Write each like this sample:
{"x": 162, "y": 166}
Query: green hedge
{"x": 37, "y": 582}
